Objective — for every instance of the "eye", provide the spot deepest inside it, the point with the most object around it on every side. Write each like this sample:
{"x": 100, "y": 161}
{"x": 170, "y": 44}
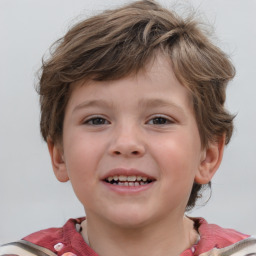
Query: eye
{"x": 96, "y": 121}
{"x": 160, "y": 120}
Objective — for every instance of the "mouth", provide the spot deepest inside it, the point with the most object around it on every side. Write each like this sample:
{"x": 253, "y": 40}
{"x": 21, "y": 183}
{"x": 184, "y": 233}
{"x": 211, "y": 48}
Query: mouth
{"x": 131, "y": 181}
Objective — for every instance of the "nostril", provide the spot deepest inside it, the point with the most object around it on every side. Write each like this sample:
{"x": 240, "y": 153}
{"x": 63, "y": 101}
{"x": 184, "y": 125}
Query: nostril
{"x": 135, "y": 153}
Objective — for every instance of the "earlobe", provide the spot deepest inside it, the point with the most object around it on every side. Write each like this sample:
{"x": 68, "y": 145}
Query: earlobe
{"x": 210, "y": 162}
{"x": 58, "y": 162}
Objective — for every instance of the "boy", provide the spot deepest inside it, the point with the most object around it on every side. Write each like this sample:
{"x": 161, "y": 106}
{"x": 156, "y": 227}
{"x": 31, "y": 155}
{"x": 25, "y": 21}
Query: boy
{"x": 132, "y": 110}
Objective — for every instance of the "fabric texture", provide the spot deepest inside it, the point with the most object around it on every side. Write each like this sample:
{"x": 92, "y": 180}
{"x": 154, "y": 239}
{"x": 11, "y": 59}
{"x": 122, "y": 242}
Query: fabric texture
{"x": 214, "y": 240}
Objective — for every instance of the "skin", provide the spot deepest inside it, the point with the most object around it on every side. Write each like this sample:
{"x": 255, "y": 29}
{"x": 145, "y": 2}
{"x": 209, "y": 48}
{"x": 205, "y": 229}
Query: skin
{"x": 143, "y": 122}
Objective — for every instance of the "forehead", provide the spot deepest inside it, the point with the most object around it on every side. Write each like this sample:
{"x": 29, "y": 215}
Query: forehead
{"x": 154, "y": 83}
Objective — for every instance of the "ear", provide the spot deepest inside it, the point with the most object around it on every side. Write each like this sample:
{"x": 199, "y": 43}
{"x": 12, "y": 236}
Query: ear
{"x": 210, "y": 161}
{"x": 58, "y": 163}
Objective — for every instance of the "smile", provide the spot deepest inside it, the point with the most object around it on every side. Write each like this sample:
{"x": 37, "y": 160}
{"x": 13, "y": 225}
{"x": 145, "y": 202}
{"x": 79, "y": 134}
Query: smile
{"x": 132, "y": 181}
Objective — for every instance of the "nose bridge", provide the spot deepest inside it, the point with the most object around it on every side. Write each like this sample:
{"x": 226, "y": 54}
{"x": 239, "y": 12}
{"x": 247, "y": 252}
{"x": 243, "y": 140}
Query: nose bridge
{"x": 127, "y": 139}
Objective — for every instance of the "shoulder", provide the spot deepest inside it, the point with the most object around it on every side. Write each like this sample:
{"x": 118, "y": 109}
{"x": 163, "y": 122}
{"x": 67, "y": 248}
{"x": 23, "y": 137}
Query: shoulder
{"x": 245, "y": 247}
{"x": 24, "y": 248}
{"x": 58, "y": 238}
{"x": 51, "y": 241}
{"x": 214, "y": 238}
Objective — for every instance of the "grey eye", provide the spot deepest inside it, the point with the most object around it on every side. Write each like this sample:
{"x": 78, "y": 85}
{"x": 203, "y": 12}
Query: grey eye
{"x": 159, "y": 120}
{"x": 96, "y": 121}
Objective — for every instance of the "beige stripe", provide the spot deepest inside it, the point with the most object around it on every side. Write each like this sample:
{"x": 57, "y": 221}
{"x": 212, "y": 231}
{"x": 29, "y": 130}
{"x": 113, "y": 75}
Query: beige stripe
{"x": 13, "y": 249}
{"x": 42, "y": 249}
{"x": 22, "y": 246}
{"x": 246, "y": 247}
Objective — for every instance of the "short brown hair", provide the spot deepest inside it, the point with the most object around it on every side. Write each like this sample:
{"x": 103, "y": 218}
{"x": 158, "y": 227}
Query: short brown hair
{"x": 120, "y": 42}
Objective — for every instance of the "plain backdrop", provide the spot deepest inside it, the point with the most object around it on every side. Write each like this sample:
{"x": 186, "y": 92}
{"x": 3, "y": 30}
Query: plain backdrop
{"x": 30, "y": 197}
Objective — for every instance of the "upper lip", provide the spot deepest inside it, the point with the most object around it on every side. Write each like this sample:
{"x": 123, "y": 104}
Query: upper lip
{"x": 126, "y": 172}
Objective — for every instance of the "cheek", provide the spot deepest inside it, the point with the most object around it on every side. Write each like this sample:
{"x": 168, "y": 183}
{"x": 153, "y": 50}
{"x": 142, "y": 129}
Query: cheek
{"x": 178, "y": 168}
{"x": 178, "y": 157}
{"x": 81, "y": 156}
{"x": 81, "y": 166}
{"x": 179, "y": 149}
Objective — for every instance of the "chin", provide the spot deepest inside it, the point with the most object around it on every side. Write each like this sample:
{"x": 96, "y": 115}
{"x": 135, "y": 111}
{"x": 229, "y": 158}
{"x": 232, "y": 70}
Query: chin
{"x": 130, "y": 218}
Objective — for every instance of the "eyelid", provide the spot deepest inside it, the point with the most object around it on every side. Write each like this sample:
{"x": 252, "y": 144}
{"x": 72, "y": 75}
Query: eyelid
{"x": 168, "y": 118}
{"x": 89, "y": 118}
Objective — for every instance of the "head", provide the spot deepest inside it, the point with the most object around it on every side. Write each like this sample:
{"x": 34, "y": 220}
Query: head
{"x": 121, "y": 42}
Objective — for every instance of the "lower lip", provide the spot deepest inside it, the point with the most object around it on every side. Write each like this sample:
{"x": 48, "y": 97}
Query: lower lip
{"x": 128, "y": 189}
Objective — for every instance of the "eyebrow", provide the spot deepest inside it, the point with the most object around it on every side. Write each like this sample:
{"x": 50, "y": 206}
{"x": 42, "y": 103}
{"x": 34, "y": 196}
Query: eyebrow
{"x": 144, "y": 103}
{"x": 93, "y": 103}
{"x": 147, "y": 103}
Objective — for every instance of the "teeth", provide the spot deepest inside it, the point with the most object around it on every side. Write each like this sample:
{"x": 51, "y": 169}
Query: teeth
{"x": 122, "y": 178}
{"x": 131, "y": 178}
{"x": 131, "y": 181}
{"x": 110, "y": 179}
{"x": 127, "y": 178}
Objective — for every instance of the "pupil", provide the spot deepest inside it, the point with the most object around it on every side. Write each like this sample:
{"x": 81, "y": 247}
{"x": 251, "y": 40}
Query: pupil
{"x": 98, "y": 121}
{"x": 159, "y": 120}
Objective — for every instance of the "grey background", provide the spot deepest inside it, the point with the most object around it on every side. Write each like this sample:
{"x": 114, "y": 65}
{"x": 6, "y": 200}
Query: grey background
{"x": 30, "y": 197}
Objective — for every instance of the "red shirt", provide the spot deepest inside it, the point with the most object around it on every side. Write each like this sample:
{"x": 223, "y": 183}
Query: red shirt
{"x": 68, "y": 240}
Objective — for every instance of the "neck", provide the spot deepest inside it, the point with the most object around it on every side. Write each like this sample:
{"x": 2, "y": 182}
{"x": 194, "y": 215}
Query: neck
{"x": 161, "y": 238}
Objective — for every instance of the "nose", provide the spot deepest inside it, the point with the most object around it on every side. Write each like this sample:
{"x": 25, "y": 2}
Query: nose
{"x": 128, "y": 142}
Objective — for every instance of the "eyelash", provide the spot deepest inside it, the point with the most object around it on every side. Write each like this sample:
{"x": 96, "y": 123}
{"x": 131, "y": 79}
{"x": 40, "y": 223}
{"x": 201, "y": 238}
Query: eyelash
{"x": 163, "y": 120}
{"x": 156, "y": 120}
{"x": 91, "y": 121}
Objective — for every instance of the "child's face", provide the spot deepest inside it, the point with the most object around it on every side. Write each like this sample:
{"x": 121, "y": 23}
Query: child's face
{"x": 137, "y": 126}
